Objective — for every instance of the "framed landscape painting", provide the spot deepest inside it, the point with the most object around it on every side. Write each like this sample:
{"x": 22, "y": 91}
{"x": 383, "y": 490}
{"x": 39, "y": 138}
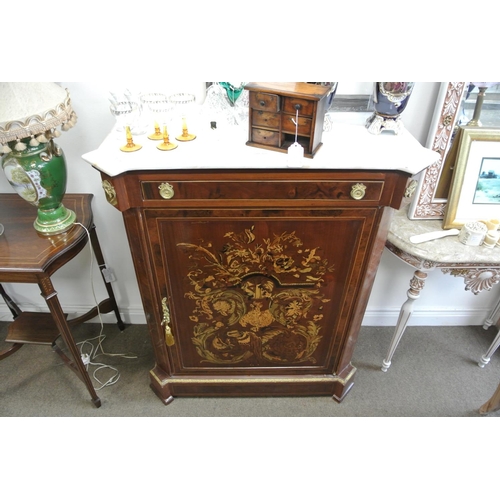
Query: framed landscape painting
{"x": 475, "y": 186}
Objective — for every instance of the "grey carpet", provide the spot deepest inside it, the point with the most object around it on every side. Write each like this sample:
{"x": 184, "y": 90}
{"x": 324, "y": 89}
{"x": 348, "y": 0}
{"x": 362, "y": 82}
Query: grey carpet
{"x": 434, "y": 373}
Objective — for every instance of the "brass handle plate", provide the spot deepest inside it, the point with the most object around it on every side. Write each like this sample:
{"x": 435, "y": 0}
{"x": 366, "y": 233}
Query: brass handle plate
{"x": 166, "y": 190}
{"x": 169, "y": 338}
{"x": 110, "y": 192}
{"x": 358, "y": 191}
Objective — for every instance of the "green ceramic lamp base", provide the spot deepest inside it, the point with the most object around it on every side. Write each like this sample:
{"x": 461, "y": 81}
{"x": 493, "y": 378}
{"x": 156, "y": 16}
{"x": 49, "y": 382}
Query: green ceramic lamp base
{"x": 54, "y": 221}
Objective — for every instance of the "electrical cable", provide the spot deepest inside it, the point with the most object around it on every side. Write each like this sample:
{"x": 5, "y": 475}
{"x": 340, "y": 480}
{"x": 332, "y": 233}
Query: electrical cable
{"x": 101, "y": 337}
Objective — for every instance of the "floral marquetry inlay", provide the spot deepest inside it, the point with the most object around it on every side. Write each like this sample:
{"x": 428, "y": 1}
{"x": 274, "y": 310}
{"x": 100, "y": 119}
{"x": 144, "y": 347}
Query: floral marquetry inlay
{"x": 256, "y": 301}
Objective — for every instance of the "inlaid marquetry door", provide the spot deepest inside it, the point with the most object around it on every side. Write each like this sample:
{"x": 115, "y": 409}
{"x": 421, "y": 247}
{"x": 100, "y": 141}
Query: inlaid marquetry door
{"x": 257, "y": 291}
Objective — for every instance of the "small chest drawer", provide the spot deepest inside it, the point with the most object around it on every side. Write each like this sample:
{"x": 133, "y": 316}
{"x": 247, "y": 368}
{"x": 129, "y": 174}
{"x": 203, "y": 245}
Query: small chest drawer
{"x": 304, "y": 125}
{"x": 292, "y": 104}
{"x": 265, "y": 102}
{"x": 267, "y": 137}
{"x": 266, "y": 119}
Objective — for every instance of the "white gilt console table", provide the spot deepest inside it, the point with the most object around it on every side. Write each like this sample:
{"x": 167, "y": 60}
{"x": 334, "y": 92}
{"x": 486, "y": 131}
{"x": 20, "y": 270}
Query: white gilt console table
{"x": 478, "y": 266}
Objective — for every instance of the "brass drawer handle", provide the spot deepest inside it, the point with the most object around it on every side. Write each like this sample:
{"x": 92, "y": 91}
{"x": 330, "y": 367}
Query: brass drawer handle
{"x": 169, "y": 338}
{"x": 358, "y": 191}
{"x": 166, "y": 190}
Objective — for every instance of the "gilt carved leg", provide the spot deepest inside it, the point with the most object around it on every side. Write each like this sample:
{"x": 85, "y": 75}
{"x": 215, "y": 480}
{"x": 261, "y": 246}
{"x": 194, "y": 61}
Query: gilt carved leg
{"x": 417, "y": 283}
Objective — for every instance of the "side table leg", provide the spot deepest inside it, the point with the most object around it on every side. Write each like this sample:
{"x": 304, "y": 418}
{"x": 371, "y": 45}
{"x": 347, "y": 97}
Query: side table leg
{"x": 14, "y": 309}
{"x": 100, "y": 260}
{"x": 493, "y": 404}
{"x": 50, "y": 296}
{"x": 485, "y": 358}
{"x": 493, "y": 317}
{"x": 417, "y": 283}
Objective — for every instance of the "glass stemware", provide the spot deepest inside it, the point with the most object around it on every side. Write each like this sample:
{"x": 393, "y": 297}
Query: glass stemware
{"x": 183, "y": 109}
{"x": 153, "y": 104}
{"x": 127, "y": 114}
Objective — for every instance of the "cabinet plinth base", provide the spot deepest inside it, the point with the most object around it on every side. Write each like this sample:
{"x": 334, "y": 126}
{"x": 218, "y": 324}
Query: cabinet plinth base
{"x": 167, "y": 388}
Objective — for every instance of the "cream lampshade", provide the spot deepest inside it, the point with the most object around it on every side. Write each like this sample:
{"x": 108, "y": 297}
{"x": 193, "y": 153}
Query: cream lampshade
{"x": 30, "y": 114}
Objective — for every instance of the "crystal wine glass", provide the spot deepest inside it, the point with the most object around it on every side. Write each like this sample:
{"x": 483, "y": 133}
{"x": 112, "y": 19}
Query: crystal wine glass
{"x": 127, "y": 114}
{"x": 151, "y": 103}
{"x": 183, "y": 106}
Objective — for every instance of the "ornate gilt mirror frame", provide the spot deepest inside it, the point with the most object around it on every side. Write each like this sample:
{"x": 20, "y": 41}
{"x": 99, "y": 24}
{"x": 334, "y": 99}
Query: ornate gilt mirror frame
{"x": 425, "y": 204}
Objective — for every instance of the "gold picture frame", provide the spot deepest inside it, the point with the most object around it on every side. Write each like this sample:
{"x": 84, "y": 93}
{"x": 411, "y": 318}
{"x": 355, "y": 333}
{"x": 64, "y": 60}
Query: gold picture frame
{"x": 475, "y": 186}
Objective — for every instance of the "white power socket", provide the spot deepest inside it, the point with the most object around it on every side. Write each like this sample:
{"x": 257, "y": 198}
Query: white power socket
{"x": 108, "y": 274}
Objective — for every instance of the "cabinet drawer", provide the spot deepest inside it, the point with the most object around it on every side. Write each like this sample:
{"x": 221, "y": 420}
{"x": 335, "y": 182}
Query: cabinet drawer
{"x": 306, "y": 108}
{"x": 266, "y": 119}
{"x": 267, "y": 137}
{"x": 263, "y": 191}
{"x": 304, "y": 127}
{"x": 265, "y": 102}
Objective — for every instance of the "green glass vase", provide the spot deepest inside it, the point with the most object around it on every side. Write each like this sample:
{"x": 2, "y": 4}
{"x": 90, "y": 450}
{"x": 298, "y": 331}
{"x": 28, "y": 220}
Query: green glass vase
{"x": 38, "y": 175}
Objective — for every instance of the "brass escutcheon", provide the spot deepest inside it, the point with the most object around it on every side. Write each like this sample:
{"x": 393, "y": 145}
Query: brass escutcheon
{"x": 166, "y": 190}
{"x": 358, "y": 191}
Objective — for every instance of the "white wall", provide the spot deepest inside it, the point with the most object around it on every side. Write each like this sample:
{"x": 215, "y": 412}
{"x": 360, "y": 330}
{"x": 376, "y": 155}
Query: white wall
{"x": 443, "y": 301}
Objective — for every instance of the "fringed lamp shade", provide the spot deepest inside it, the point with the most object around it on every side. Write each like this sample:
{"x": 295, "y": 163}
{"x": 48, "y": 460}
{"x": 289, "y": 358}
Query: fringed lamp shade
{"x": 32, "y": 109}
{"x": 30, "y": 114}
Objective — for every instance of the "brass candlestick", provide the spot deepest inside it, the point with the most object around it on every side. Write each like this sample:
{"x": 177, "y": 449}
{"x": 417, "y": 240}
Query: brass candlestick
{"x": 186, "y": 136}
{"x": 157, "y": 136}
{"x": 130, "y": 146}
{"x": 166, "y": 145}
{"x": 478, "y": 107}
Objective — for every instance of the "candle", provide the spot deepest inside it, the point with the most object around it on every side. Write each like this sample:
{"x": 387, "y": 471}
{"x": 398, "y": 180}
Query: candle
{"x": 491, "y": 238}
{"x": 491, "y": 224}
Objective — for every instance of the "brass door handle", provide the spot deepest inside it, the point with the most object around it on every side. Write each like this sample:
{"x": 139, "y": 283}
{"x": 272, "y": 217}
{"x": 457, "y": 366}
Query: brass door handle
{"x": 358, "y": 191}
{"x": 169, "y": 338}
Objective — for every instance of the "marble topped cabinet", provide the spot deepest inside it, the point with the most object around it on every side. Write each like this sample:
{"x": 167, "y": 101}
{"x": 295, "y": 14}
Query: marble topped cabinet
{"x": 254, "y": 276}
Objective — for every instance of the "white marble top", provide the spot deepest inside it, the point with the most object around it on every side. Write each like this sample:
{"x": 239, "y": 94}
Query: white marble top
{"x": 448, "y": 250}
{"x": 345, "y": 146}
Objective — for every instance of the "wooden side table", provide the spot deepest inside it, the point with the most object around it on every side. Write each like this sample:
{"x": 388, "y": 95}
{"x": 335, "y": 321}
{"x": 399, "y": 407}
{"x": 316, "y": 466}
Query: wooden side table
{"x": 478, "y": 266}
{"x": 27, "y": 257}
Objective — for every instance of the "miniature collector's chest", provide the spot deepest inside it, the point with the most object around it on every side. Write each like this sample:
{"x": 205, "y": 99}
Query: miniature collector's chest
{"x": 254, "y": 276}
{"x": 283, "y": 113}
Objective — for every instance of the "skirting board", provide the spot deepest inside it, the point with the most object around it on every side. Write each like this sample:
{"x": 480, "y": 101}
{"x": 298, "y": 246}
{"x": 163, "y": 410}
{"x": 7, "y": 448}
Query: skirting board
{"x": 427, "y": 317}
{"x": 372, "y": 317}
